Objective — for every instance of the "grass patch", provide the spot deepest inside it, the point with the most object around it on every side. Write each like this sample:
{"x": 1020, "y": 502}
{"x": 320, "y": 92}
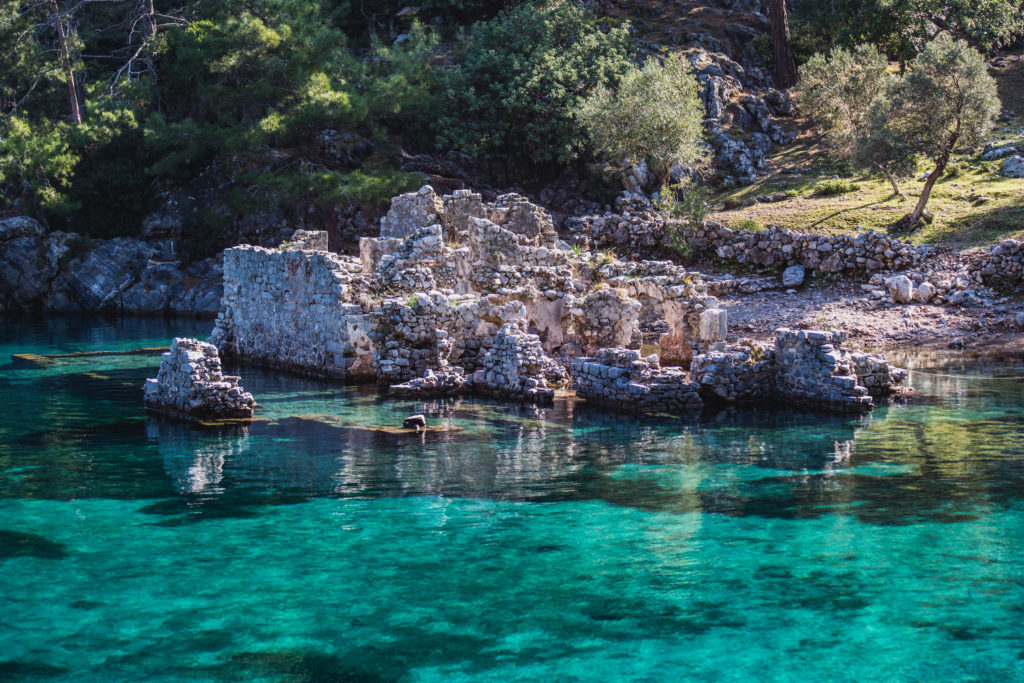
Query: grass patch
{"x": 834, "y": 187}
{"x": 748, "y": 225}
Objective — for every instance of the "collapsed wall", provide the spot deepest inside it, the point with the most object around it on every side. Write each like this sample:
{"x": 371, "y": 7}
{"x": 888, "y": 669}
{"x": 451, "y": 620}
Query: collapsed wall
{"x": 191, "y": 385}
{"x": 806, "y": 367}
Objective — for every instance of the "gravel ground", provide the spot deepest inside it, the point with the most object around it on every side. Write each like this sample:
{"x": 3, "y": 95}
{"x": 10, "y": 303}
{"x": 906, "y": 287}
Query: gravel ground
{"x": 872, "y": 325}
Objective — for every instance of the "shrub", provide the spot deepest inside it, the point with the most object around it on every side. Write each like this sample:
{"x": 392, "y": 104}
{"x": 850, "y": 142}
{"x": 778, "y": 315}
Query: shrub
{"x": 955, "y": 170}
{"x": 518, "y": 80}
{"x": 655, "y": 114}
{"x": 834, "y": 187}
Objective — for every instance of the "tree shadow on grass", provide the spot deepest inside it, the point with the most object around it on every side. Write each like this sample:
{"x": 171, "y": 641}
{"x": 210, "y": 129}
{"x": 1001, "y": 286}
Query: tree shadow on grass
{"x": 840, "y": 212}
{"x": 982, "y": 226}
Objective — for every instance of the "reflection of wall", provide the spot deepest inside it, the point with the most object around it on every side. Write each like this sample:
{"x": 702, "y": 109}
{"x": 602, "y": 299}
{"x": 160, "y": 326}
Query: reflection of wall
{"x": 194, "y": 459}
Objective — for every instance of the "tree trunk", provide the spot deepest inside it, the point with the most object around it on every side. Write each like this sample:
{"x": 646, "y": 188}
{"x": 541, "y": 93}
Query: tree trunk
{"x": 65, "y": 57}
{"x": 914, "y": 217}
{"x": 892, "y": 180}
{"x": 149, "y": 25}
{"x": 785, "y": 66}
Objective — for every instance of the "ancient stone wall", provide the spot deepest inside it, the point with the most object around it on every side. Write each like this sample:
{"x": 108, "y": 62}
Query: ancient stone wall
{"x": 620, "y": 379}
{"x": 296, "y": 310}
{"x": 813, "y": 367}
{"x": 517, "y": 368}
{"x": 191, "y": 384}
{"x": 773, "y": 247}
{"x": 743, "y": 374}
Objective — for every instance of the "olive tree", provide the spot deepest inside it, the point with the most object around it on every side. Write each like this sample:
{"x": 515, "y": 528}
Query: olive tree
{"x": 655, "y": 114}
{"x": 842, "y": 91}
{"x": 946, "y": 104}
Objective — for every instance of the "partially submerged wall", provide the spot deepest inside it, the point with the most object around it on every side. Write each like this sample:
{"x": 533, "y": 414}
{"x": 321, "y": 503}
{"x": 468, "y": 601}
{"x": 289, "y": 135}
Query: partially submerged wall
{"x": 191, "y": 385}
{"x": 296, "y": 310}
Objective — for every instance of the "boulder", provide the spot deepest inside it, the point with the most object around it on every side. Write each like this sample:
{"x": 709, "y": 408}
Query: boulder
{"x": 1013, "y": 167}
{"x": 925, "y": 292}
{"x": 416, "y": 422}
{"x": 793, "y": 276}
{"x": 901, "y": 288}
{"x": 999, "y": 153}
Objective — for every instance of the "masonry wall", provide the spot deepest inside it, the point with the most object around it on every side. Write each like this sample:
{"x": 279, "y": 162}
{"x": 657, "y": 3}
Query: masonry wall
{"x": 294, "y": 309}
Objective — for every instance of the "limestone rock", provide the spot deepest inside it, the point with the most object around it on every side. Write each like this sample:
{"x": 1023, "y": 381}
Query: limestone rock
{"x": 714, "y": 325}
{"x": 1013, "y": 167}
{"x": 901, "y": 288}
{"x": 793, "y": 276}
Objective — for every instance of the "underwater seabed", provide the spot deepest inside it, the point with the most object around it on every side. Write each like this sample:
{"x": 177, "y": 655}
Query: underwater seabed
{"x": 519, "y": 543}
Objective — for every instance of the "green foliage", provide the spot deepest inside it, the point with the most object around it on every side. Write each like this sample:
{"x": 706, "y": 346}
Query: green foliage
{"x": 685, "y": 208}
{"x": 955, "y": 170}
{"x": 36, "y": 164}
{"x": 748, "y": 225}
{"x": 837, "y": 90}
{"x": 947, "y": 103}
{"x": 834, "y": 187}
{"x": 902, "y": 28}
{"x": 324, "y": 187}
{"x": 514, "y": 91}
{"x": 655, "y": 114}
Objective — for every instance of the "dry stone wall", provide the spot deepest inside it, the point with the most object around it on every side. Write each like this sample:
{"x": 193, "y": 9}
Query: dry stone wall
{"x": 191, "y": 385}
{"x": 296, "y": 310}
{"x": 813, "y": 367}
{"x": 620, "y": 379}
{"x": 743, "y": 374}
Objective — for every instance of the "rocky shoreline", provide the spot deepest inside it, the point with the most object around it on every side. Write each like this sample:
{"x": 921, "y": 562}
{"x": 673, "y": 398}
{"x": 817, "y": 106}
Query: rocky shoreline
{"x": 460, "y": 296}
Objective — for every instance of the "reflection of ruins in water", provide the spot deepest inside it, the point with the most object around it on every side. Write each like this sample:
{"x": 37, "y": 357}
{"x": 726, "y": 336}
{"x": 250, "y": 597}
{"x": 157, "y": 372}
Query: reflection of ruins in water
{"x": 193, "y": 458}
{"x": 567, "y": 451}
{"x": 956, "y": 376}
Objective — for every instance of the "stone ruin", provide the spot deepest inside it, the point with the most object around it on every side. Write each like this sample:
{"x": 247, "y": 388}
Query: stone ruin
{"x": 460, "y": 296}
{"x": 191, "y": 385}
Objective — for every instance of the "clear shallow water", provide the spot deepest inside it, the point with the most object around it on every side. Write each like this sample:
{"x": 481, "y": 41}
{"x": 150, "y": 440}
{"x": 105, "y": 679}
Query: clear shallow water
{"x": 558, "y": 544}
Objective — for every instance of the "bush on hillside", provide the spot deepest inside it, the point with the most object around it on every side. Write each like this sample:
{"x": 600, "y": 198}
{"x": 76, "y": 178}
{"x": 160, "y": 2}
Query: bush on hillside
{"x": 655, "y": 114}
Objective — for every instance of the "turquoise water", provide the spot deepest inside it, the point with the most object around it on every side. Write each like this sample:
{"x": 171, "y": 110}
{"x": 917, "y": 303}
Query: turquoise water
{"x": 556, "y": 544}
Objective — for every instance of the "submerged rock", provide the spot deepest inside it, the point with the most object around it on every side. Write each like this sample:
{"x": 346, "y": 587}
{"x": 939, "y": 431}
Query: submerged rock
{"x": 416, "y": 422}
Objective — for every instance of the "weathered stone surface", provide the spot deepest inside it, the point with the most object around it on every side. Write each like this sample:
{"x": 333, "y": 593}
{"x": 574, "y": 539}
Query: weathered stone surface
{"x": 517, "y": 368}
{"x": 295, "y": 309}
{"x": 713, "y": 325}
{"x": 742, "y": 374}
{"x": 812, "y": 367}
{"x": 67, "y": 273}
{"x": 191, "y": 384}
{"x": 620, "y": 379}
{"x": 999, "y": 152}
{"x": 1012, "y": 167}
{"x": 793, "y": 276}
{"x": 901, "y": 289}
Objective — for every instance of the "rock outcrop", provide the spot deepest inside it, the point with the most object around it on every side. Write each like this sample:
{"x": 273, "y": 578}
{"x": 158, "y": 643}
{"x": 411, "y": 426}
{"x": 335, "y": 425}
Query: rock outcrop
{"x": 68, "y": 273}
{"x": 191, "y": 385}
